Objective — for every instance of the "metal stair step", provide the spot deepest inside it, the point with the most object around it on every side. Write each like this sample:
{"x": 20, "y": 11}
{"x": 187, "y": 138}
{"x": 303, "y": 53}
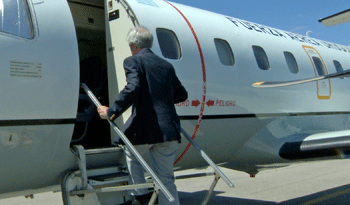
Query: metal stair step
{"x": 109, "y": 177}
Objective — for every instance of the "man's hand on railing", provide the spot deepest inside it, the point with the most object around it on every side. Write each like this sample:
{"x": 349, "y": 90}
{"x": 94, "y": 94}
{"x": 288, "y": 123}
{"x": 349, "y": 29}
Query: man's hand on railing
{"x": 102, "y": 111}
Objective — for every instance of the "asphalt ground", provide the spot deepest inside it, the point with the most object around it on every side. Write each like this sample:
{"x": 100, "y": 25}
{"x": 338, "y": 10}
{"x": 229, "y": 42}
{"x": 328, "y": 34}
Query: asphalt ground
{"x": 326, "y": 182}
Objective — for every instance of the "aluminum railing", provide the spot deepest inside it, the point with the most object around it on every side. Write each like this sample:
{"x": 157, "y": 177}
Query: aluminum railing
{"x": 218, "y": 173}
{"x": 131, "y": 148}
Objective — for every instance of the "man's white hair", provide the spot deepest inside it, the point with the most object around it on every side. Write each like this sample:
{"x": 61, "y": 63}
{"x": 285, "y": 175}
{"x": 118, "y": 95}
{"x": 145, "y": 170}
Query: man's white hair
{"x": 140, "y": 36}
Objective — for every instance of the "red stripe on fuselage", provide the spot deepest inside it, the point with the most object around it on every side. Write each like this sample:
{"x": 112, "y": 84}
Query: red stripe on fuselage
{"x": 204, "y": 80}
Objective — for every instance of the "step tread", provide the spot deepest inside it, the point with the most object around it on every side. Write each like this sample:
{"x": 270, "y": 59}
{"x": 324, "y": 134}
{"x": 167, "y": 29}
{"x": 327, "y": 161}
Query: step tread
{"x": 103, "y": 150}
{"x": 108, "y": 177}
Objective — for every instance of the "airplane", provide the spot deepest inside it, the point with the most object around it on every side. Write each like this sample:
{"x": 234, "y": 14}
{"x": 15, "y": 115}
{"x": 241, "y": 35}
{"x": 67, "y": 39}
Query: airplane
{"x": 259, "y": 97}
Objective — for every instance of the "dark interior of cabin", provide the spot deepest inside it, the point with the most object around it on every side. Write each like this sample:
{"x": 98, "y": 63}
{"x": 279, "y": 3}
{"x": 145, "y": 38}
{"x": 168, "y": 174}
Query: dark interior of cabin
{"x": 90, "y": 130}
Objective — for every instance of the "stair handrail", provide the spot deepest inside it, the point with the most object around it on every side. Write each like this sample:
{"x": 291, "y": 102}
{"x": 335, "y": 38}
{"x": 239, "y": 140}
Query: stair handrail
{"x": 207, "y": 158}
{"x": 131, "y": 147}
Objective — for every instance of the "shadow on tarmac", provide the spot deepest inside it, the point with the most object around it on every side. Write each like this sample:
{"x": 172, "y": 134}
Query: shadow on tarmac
{"x": 339, "y": 196}
{"x": 197, "y": 198}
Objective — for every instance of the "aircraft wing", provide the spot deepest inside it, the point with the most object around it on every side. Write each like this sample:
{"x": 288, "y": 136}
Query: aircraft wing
{"x": 296, "y": 82}
{"x": 336, "y": 19}
{"x": 317, "y": 145}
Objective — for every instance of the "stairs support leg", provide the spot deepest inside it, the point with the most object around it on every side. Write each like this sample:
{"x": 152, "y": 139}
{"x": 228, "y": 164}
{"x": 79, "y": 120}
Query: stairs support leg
{"x": 211, "y": 190}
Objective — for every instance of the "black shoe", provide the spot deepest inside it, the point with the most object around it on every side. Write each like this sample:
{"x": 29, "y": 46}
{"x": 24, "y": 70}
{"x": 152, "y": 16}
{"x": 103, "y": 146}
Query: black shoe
{"x": 140, "y": 200}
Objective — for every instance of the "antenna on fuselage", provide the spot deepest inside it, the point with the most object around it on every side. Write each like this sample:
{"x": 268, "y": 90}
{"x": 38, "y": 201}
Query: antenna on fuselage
{"x": 308, "y": 33}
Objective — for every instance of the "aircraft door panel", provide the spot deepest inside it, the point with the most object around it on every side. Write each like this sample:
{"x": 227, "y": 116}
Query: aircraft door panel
{"x": 119, "y": 20}
{"x": 320, "y": 68}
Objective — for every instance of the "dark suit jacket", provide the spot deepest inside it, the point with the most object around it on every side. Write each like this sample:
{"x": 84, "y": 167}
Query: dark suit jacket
{"x": 152, "y": 90}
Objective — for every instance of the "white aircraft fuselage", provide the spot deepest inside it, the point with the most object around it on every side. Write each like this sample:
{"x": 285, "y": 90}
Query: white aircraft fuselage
{"x": 239, "y": 126}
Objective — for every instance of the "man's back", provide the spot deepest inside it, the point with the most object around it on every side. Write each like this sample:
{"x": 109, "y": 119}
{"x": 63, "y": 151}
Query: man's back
{"x": 156, "y": 89}
{"x": 152, "y": 89}
{"x": 162, "y": 82}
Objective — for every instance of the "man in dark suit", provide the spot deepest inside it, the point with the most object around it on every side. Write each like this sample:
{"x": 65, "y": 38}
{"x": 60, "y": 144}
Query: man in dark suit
{"x": 152, "y": 90}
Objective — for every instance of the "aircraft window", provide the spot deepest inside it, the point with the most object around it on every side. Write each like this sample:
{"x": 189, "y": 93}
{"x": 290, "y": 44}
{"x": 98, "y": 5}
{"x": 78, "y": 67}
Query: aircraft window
{"x": 338, "y": 66}
{"x": 224, "y": 51}
{"x": 261, "y": 58}
{"x": 319, "y": 66}
{"x": 15, "y": 18}
{"x": 291, "y": 62}
{"x": 169, "y": 43}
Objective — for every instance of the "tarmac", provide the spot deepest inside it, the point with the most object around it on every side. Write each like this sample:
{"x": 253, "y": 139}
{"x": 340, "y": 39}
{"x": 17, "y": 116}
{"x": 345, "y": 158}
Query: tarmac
{"x": 325, "y": 182}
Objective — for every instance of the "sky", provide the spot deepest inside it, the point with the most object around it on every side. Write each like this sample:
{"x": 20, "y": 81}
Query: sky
{"x": 297, "y": 16}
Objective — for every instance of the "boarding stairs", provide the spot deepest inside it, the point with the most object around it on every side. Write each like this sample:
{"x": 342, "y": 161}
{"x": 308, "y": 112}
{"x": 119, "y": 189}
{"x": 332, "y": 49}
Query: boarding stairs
{"x": 109, "y": 185}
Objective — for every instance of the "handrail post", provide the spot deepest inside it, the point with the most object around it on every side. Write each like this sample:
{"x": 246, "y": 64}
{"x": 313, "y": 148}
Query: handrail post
{"x": 131, "y": 147}
{"x": 207, "y": 158}
{"x": 211, "y": 189}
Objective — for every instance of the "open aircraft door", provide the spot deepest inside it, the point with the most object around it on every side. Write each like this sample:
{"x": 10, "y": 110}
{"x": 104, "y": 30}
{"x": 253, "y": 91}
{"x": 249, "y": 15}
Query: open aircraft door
{"x": 320, "y": 68}
{"x": 119, "y": 20}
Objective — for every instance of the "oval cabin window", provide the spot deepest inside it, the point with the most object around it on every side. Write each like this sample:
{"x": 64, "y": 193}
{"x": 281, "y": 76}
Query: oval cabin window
{"x": 15, "y": 18}
{"x": 319, "y": 66}
{"x": 291, "y": 62}
{"x": 224, "y": 52}
{"x": 261, "y": 58}
{"x": 338, "y": 66}
{"x": 169, "y": 43}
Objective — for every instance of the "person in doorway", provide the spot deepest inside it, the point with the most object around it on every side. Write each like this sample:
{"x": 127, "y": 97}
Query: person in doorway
{"x": 152, "y": 89}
